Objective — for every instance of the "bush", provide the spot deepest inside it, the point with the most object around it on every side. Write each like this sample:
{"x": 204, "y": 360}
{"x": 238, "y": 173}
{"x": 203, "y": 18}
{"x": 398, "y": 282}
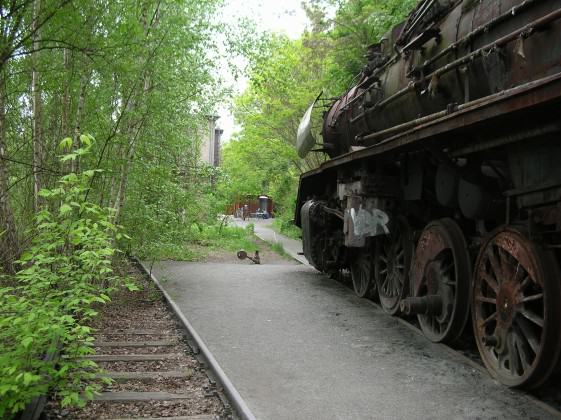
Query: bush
{"x": 65, "y": 273}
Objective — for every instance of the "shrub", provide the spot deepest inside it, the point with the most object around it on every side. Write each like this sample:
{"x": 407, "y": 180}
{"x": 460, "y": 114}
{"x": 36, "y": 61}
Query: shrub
{"x": 65, "y": 273}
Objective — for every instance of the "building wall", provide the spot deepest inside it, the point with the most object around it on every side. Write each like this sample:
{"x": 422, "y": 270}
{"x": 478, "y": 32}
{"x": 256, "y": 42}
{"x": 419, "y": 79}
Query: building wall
{"x": 217, "y": 137}
{"x": 210, "y": 147}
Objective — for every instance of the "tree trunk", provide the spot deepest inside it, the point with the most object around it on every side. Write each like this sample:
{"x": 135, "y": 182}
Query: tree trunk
{"x": 133, "y": 128}
{"x": 65, "y": 111}
{"x": 121, "y": 191}
{"x": 9, "y": 245}
{"x": 84, "y": 81}
{"x": 36, "y": 106}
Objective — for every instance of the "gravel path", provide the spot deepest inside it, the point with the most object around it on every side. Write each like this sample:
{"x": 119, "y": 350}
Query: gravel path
{"x": 298, "y": 345}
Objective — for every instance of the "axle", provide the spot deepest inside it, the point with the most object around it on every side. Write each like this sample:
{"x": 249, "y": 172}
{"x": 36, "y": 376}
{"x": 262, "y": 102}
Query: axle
{"x": 424, "y": 305}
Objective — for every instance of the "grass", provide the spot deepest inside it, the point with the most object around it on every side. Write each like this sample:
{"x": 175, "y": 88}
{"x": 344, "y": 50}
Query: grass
{"x": 197, "y": 242}
{"x": 229, "y": 238}
{"x": 172, "y": 251}
{"x": 286, "y": 227}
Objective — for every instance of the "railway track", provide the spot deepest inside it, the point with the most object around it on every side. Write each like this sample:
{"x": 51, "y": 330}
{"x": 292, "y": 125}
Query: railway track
{"x": 157, "y": 370}
{"x": 547, "y": 397}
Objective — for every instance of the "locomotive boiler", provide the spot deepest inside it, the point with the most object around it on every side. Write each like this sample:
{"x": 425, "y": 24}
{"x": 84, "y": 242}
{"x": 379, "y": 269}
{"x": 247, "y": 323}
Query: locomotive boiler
{"x": 442, "y": 195}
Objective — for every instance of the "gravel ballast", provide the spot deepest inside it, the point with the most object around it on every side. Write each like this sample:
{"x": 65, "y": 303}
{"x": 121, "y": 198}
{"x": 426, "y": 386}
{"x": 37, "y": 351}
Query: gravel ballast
{"x": 143, "y": 316}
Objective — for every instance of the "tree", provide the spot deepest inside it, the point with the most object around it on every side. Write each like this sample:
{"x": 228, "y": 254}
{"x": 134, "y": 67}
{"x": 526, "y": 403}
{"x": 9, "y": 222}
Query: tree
{"x": 138, "y": 76}
{"x": 284, "y": 79}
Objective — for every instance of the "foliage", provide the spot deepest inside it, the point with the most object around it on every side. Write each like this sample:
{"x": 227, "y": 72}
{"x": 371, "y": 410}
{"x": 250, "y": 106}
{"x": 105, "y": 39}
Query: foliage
{"x": 262, "y": 159}
{"x": 284, "y": 225}
{"x": 231, "y": 238}
{"x": 356, "y": 25}
{"x": 137, "y": 74}
{"x": 283, "y": 83}
{"x": 252, "y": 169}
{"x": 163, "y": 213}
{"x": 65, "y": 274}
{"x": 140, "y": 75}
{"x": 198, "y": 241}
{"x": 284, "y": 80}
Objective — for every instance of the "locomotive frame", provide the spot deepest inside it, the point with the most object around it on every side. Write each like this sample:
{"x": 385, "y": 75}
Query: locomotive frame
{"x": 456, "y": 213}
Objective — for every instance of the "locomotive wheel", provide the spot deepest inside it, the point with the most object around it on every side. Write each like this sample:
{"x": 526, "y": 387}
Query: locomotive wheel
{"x": 361, "y": 272}
{"x": 440, "y": 278}
{"x": 317, "y": 248}
{"x": 515, "y": 309}
{"x": 392, "y": 262}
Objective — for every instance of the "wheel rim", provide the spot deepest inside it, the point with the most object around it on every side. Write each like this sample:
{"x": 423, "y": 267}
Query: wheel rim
{"x": 361, "y": 273}
{"x": 441, "y": 268}
{"x": 318, "y": 245}
{"x": 392, "y": 263}
{"x": 516, "y": 313}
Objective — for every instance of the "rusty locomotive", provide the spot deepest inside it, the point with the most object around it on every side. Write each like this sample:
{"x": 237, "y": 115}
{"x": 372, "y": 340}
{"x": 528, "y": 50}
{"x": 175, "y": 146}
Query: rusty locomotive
{"x": 442, "y": 194}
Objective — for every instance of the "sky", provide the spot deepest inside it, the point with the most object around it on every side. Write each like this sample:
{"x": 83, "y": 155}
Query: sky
{"x": 284, "y": 16}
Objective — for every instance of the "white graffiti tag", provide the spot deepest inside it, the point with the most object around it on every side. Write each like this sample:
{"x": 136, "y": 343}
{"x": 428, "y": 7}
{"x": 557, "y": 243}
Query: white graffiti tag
{"x": 369, "y": 222}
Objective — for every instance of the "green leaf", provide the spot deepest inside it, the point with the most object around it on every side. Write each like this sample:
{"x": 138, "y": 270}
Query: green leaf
{"x": 131, "y": 287}
{"x": 26, "y": 256}
{"x": 88, "y": 393}
{"x": 26, "y": 342}
{"x": 29, "y": 378}
{"x": 65, "y": 208}
{"x": 86, "y": 139}
{"x": 69, "y": 156}
{"x": 65, "y": 143}
{"x": 45, "y": 193}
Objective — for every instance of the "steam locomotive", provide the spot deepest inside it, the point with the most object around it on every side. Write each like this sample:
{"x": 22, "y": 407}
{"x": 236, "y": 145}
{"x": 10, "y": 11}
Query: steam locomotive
{"x": 442, "y": 194}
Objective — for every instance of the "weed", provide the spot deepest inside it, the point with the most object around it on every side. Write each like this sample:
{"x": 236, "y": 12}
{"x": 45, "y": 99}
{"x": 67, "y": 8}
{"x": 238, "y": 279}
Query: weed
{"x": 286, "y": 227}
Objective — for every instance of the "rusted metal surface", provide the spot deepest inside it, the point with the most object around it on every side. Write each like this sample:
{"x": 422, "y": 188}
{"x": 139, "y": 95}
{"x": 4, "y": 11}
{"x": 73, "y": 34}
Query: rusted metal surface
{"x": 471, "y": 50}
{"x": 515, "y": 308}
{"x": 429, "y": 305}
{"x": 392, "y": 263}
{"x": 440, "y": 268}
{"x": 242, "y": 255}
{"x": 453, "y": 125}
{"x": 541, "y": 92}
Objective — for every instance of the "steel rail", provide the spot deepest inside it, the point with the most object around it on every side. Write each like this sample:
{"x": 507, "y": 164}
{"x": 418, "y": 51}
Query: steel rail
{"x": 231, "y": 392}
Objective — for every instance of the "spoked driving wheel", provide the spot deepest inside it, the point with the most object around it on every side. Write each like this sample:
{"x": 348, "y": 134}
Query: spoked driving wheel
{"x": 440, "y": 279}
{"x": 361, "y": 272}
{"x": 392, "y": 262}
{"x": 515, "y": 309}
